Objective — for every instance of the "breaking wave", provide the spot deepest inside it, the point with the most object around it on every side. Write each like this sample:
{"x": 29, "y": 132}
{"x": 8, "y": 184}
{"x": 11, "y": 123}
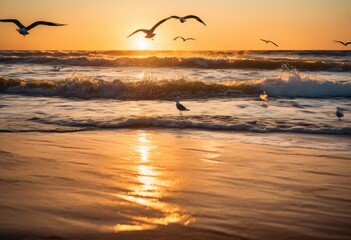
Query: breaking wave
{"x": 267, "y": 60}
{"x": 185, "y": 62}
{"x": 292, "y": 83}
{"x": 288, "y": 83}
{"x": 87, "y": 88}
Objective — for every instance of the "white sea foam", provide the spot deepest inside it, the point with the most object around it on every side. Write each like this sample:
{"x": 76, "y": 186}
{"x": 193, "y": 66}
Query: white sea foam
{"x": 285, "y": 85}
{"x": 292, "y": 83}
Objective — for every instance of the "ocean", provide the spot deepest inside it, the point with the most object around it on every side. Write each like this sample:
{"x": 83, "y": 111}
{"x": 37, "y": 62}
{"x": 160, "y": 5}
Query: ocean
{"x": 128, "y": 89}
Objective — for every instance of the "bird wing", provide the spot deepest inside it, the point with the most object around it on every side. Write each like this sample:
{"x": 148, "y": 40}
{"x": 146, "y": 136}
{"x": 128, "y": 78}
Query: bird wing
{"x": 176, "y": 38}
{"x": 182, "y": 108}
{"x": 15, "y": 21}
{"x": 264, "y": 97}
{"x": 44, "y": 23}
{"x": 264, "y": 40}
{"x": 339, "y": 42}
{"x": 159, "y": 23}
{"x": 274, "y": 43}
{"x": 196, "y": 17}
{"x": 139, "y": 30}
{"x": 339, "y": 113}
{"x": 190, "y": 39}
{"x": 174, "y": 17}
{"x": 348, "y": 43}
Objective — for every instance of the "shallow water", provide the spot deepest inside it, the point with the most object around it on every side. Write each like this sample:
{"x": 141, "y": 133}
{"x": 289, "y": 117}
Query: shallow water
{"x": 25, "y": 113}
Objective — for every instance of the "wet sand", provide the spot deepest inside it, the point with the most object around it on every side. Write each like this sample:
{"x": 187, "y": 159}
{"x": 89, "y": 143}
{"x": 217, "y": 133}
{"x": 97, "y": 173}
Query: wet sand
{"x": 181, "y": 184}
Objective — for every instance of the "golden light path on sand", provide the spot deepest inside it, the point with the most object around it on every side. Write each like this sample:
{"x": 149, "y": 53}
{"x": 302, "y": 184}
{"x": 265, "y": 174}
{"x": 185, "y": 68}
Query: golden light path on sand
{"x": 149, "y": 193}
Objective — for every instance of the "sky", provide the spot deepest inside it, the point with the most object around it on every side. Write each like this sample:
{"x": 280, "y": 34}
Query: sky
{"x": 231, "y": 24}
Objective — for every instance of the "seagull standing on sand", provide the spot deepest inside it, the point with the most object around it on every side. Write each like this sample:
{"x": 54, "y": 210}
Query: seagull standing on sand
{"x": 343, "y": 43}
{"x": 339, "y": 113}
{"x": 184, "y": 39}
{"x": 183, "y": 19}
{"x": 181, "y": 107}
{"x": 150, "y": 32}
{"x": 269, "y": 41}
{"x": 264, "y": 97}
{"x": 24, "y": 30}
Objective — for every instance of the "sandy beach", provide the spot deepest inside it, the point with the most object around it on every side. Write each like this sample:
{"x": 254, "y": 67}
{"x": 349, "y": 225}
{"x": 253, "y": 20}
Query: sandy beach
{"x": 172, "y": 184}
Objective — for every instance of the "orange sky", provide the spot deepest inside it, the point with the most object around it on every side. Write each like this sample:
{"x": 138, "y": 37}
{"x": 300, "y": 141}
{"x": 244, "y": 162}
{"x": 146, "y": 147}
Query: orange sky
{"x": 231, "y": 24}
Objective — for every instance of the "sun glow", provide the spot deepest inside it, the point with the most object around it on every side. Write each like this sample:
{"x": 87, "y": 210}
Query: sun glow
{"x": 142, "y": 44}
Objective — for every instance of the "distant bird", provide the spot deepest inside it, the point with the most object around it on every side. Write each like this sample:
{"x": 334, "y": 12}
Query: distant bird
{"x": 184, "y": 39}
{"x": 150, "y": 32}
{"x": 183, "y": 19}
{"x": 181, "y": 107}
{"x": 339, "y": 113}
{"x": 269, "y": 41}
{"x": 345, "y": 44}
{"x": 58, "y": 68}
{"x": 24, "y": 30}
{"x": 264, "y": 97}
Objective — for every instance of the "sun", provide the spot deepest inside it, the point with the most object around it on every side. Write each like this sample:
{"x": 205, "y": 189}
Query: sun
{"x": 142, "y": 44}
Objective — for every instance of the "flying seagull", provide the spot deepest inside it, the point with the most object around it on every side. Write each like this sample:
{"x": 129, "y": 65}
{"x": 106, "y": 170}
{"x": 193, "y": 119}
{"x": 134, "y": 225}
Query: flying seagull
{"x": 184, "y": 39}
{"x": 181, "y": 107}
{"x": 24, "y": 30}
{"x": 343, "y": 43}
{"x": 183, "y": 19}
{"x": 150, "y": 32}
{"x": 339, "y": 113}
{"x": 269, "y": 41}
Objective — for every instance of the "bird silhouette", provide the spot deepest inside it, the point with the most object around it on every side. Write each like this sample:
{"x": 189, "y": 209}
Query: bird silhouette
{"x": 23, "y": 30}
{"x": 57, "y": 68}
{"x": 184, "y": 39}
{"x": 339, "y": 113}
{"x": 343, "y": 43}
{"x": 181, "y": 107}
{"x": 269, "y": 41}
{"x": 150, "y": 32}
{"x": 183, "y": 19}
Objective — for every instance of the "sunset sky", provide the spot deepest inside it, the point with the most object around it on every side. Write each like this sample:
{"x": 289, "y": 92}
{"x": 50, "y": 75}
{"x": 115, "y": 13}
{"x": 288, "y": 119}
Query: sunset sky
{"x": 231, "y": 24}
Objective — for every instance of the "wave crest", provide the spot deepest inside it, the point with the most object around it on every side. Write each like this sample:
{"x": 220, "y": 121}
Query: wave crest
{"x": 185, "y": 62}
{"x": 291, "y": 83}
{"x": 288, "y": 83}
{"x": 84, "y": 87}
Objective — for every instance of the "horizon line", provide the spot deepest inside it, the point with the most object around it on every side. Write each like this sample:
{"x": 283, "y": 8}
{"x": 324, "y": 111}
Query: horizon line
{"x": 184, "y": 50}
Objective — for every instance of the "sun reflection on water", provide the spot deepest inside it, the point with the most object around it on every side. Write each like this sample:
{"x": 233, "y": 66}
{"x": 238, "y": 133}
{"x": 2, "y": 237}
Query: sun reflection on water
{"x": 149, "y": 193}
{"x": 144, "y": 147}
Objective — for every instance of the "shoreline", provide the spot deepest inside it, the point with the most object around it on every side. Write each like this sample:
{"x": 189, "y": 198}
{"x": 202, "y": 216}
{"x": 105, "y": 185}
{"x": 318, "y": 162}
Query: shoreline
{"x": 333, "y": 142}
